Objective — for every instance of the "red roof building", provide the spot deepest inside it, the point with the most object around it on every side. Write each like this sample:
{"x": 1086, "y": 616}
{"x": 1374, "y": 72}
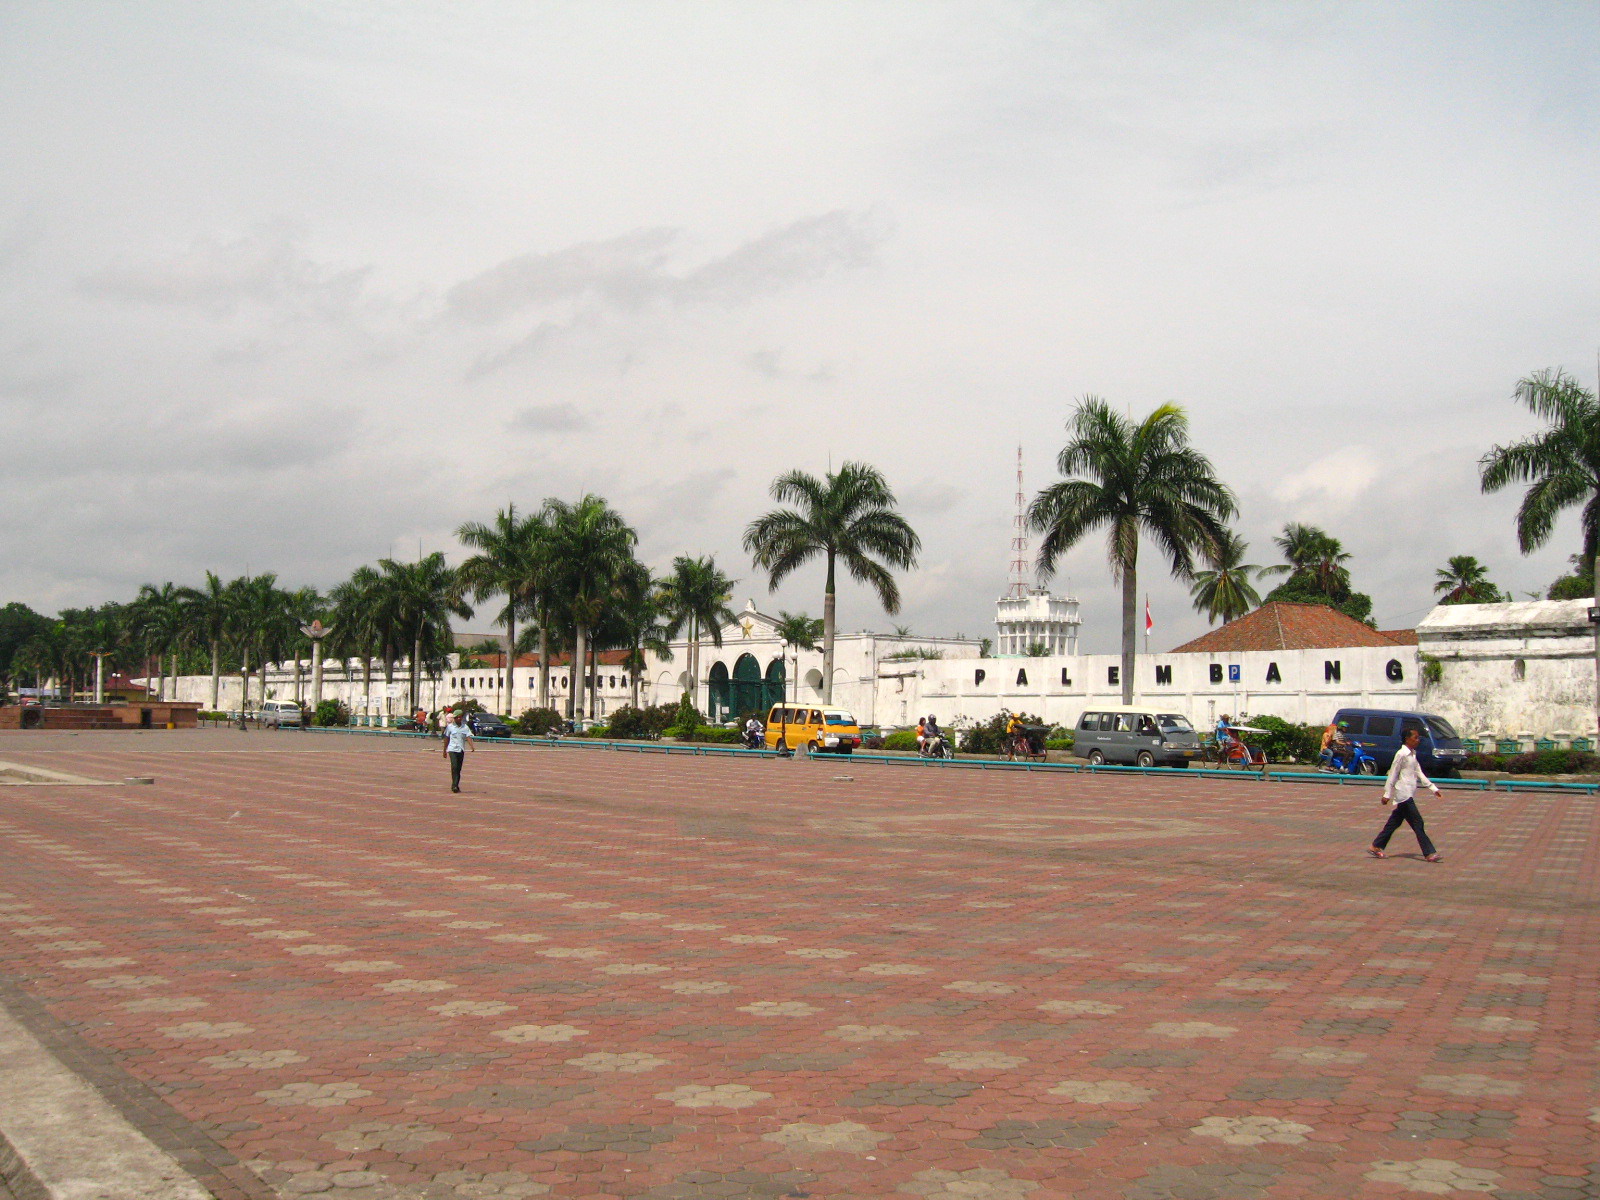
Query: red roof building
{"x": 1284, "y": 625}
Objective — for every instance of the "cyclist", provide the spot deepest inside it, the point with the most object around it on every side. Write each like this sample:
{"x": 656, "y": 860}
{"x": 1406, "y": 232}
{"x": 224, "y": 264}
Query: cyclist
{"x": 1016, "y": 737}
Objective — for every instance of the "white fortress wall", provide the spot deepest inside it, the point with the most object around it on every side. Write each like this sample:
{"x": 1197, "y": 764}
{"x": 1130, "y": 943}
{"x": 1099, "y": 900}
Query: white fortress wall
{"x": 1304, "y": 686}
{"x": 1513, "y": 669}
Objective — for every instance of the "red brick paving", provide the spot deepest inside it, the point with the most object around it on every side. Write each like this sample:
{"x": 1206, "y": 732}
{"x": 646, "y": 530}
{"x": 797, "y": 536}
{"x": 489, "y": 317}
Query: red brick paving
{"x": 597, "y": 974}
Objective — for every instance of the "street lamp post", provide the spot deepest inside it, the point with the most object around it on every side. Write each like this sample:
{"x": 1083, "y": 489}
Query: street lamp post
{"x": 99, "y": 675}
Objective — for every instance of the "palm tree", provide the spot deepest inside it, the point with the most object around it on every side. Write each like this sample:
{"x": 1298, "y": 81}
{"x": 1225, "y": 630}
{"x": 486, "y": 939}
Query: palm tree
{"x": 159, "y": 623}
{"x": 641, "y": 618}
{"x": 1132, "y": 479}
{"x": 850, "y": 516}
{"x": 1464, "y": 580}
{"x": 1224, "y": 592}
{"x": 1316, "y": 561}
{"x": 696, "y": 597}
{"x": 358, "y": 628}
{"x": 1561, "y": 464}
{"x": 798, "y": 632}
{"x": 297, "y": 608}
{"x": 206, "y": 611}
{"x": 252, "y": 610}
{"x": 590, "y": 547}
{"x": 420, "y": 598}
{"x": 504, "y": 566}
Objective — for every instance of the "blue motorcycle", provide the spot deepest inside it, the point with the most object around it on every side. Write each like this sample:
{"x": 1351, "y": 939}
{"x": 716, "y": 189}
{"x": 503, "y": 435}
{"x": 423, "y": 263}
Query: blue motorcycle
{"x": 1353, "y": 761}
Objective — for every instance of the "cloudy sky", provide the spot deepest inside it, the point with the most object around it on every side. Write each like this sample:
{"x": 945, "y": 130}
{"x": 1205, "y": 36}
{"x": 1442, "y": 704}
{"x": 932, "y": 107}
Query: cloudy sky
{"x": 293, "y": 286}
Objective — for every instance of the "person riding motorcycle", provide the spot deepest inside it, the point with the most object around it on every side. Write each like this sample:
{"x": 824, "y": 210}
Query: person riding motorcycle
{"x": 753, "y": 733}
{"x": 1335, "y": 744}
{"x": 932, "y": 738}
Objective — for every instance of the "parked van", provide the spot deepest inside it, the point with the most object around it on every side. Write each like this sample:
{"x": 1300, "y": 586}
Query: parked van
{"x": 1381, "y": 730}
{"x": 813, "y": 727}
{"x": 1144, "y": 737}
{"x": 279, "y": 713}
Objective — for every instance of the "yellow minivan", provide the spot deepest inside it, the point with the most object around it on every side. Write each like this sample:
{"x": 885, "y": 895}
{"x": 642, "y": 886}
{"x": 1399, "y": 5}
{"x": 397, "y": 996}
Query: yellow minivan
{"x": 817, "y": 728}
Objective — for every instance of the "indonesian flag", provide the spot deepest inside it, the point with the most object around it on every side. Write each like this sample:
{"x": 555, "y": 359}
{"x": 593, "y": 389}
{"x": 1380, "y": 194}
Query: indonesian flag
{"x": 1149, "y": 622}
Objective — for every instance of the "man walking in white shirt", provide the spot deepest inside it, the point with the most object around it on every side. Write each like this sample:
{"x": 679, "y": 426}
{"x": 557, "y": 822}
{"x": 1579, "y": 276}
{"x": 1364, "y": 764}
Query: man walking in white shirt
{"x": 456, "y": 739}
{"x": 1400, "y": 788}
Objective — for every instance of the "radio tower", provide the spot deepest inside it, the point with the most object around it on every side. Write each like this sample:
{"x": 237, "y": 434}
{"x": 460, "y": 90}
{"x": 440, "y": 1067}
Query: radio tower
{"x": 1019, "y": 538}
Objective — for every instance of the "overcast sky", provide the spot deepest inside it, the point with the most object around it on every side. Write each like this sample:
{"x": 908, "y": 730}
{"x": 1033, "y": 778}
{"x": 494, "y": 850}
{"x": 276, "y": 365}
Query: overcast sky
{"x": 291, "y": 287}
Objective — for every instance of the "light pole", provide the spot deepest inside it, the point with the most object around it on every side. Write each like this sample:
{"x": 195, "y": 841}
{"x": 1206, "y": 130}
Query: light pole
{"x": 99, "y": 675}
{"x": 316, "y": 631}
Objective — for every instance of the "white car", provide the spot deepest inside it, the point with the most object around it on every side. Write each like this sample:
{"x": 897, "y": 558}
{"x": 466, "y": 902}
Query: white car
{"x": 279, "y": 714}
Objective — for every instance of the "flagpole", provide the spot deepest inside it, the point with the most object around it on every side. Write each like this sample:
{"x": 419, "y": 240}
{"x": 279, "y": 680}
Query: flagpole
{"x": 1147, "y": 623}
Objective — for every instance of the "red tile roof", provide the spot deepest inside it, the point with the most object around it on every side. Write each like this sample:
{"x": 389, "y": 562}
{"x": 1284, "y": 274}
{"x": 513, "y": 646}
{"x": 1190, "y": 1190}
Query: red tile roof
{"x": 1283, "y": 625}
{"x": 493, "y": 662}
{"x": 1400, "y": 637}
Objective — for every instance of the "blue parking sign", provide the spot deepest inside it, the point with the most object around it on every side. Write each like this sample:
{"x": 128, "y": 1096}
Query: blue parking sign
{"x": 1234, "y": 674}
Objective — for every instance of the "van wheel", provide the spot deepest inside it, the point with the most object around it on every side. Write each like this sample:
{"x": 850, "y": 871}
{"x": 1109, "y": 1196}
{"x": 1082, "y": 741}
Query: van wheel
{"x": 1096, "y": 759}
{"x": 1368, "y": 767}
{"x": 1146, "y": 759}
{"x": 813, "y": 748}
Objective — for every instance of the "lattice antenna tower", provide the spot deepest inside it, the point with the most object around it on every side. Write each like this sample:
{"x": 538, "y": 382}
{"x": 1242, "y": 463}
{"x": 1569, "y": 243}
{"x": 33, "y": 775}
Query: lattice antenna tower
{"x": 1019, "y": 537}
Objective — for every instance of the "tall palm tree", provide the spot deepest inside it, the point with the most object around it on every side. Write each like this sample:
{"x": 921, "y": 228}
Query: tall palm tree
{"x": 1464, "y": 580}
{"x": 505, "y": 565}
{"x": 641, "y": 618}
{"x": 1561, "y": 465}
{"x": 358, "y": 629}
{"x": 850, "y": 516}
{"x": 798, "y": 632}
{"x": 1132, "y": 480}
{"x": 206, "y": 611}
{"x": 1224, "y": 591}
{"x": 696, "y": 596}
{"x": 589, "y": 547}
{"x": 253, "y": 607}
{"x": 159, "y": 623}
{"x": 297, "y": 608}
{"x": 420, "y": 598}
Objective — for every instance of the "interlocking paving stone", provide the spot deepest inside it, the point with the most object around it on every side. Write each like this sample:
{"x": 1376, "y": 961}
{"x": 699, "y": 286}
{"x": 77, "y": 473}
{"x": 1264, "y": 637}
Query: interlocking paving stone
{"x": 949, "y": 984}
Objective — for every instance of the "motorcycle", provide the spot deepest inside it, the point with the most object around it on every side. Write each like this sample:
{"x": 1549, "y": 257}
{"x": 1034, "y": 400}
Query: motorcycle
{"x": 1354, "y": 761}
{"x": 937, "y": 746}
{"x": 754, "y": 739}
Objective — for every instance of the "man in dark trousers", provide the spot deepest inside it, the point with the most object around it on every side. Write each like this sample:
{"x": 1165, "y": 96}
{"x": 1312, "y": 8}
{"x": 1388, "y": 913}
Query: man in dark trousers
{"x": 457, "y": 738}
{"x": 1400, "y": 788}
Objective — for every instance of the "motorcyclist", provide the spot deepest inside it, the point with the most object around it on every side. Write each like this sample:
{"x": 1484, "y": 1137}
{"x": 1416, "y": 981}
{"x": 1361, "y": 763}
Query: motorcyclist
{"x": 753, "y": 730}
{"x": 932, "y": 737}
{"x": 1335, "y": 744}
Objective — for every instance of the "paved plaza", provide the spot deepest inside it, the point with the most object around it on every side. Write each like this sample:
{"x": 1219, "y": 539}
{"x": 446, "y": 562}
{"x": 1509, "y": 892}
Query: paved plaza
{"x": 298, "y": 965}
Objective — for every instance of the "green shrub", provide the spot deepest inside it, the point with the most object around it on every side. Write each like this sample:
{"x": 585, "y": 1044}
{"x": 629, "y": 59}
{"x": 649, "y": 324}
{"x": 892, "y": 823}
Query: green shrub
{"x": 1059, "y": 743}
{"x": 714, "y": 735}
{"x": 906, "y": 739}
{"x": 686, "y": 719}
{"x": 642, "y": 724}
{"x": 539, "y": 722}
{"x": 331, "y": 712}
{"x": 988, "y": 737}
{"x": 1485, "y": 762}
{"x": 1553, "y": 762}
{"x": 1284, "y": 741}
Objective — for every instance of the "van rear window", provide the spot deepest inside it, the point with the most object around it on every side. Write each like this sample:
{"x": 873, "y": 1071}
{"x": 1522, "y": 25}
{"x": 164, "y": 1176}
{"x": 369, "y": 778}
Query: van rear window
{"x": 1089, "y": 722}
{"x": 1354, "y": 725}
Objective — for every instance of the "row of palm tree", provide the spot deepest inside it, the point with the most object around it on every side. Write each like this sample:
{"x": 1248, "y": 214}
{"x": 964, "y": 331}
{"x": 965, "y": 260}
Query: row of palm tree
{"x": 567, "y": 572}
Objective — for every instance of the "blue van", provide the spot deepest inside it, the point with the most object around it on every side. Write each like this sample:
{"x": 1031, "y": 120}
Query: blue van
{"x": 1381, "y": 730}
